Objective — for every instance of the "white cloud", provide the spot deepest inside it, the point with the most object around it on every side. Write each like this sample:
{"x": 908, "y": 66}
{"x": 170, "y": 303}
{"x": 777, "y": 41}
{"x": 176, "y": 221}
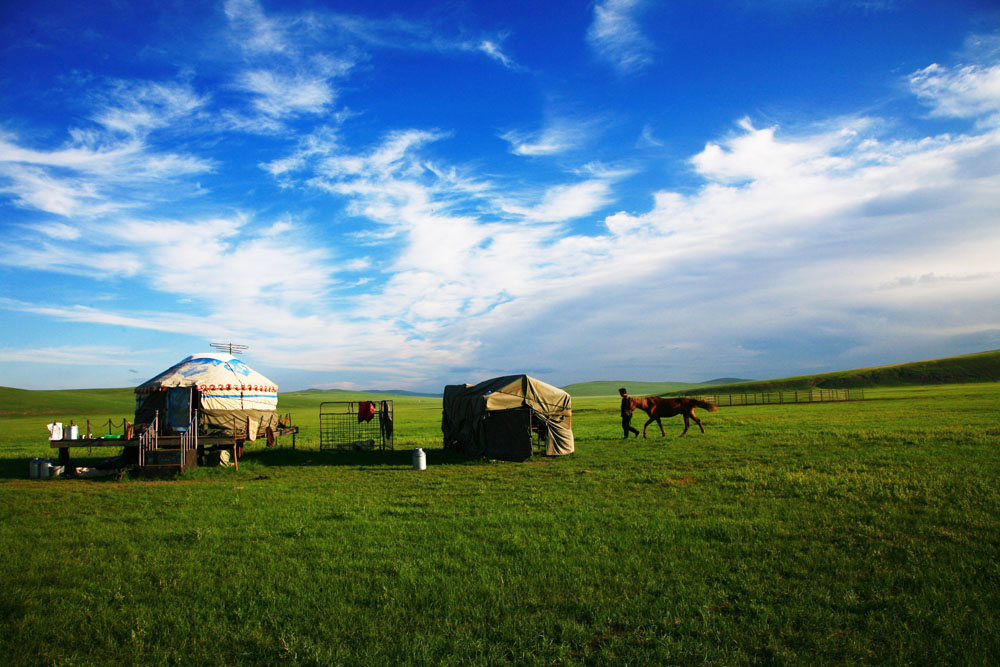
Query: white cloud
{"x": 433, "y": 263}
{"x": 58, "y": 230}
{"x": 493, "y": 50}
{"x": 616, "y": 37}
{"x": 567, "y": 202}
{"x": 256, "y": 32}
{"x": 80, "y": 355}
{"x": 972, "y": 91}
{"x": 136, "y": 108}
{"x": 277, "y": 95}
{"x": 559, "y": 136}
{"x": 99, "y": 171}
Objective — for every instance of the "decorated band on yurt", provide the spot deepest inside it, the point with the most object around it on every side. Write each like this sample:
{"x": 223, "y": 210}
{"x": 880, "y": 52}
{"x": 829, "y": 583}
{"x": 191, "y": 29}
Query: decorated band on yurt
{"x": 230, "y": 397}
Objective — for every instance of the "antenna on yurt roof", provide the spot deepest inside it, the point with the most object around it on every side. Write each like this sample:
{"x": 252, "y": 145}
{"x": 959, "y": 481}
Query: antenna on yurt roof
{"x": 231, "y": 348}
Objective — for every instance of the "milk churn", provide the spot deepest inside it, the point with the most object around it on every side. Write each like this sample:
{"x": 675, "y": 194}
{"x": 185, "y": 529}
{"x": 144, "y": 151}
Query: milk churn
{"x": 419, "y": 459}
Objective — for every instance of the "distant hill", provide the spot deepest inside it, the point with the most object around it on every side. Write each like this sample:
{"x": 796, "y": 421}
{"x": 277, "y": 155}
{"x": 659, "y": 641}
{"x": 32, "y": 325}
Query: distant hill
{"x": 979, "y": 367}
{"x": 610, "y": 388}
{"x": 725, "y": 381}
{"x": 359, "y": 392}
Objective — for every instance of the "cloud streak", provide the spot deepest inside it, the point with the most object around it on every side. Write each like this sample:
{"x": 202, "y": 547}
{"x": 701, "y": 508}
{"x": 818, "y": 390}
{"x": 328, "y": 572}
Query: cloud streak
{"x": 616, "y": 37}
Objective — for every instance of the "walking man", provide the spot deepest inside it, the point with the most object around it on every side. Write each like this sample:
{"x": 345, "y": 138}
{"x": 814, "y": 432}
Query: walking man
{"x": 627, "y": 414}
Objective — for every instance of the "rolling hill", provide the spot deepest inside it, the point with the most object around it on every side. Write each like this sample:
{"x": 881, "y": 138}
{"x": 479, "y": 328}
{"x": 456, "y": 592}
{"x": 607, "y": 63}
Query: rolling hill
{"x": 610, "y": 388}
{"x": 979, "y": 367}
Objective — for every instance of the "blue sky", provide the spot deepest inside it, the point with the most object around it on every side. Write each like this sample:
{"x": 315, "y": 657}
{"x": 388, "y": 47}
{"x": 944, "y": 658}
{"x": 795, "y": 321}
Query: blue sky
{"x": 406, "y": 195}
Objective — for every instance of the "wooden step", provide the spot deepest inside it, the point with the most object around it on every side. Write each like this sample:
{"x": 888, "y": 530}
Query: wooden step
{"x": 173, "y": 457}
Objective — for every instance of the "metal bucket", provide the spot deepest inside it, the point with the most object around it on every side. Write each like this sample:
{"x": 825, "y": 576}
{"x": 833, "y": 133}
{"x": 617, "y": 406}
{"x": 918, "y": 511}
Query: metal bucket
{"x": 33, "y": 468}
{"x": 44, "y": 468}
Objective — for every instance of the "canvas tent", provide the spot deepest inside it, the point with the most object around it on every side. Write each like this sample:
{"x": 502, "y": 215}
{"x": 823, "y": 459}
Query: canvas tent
{"x": 495, "y": 418}
{"x": 231, "y": 398}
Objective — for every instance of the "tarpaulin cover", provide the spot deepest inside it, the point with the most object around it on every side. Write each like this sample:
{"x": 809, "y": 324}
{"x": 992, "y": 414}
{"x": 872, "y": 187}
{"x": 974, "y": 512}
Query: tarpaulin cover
{"x": 466, "y": 405}
{"x": 229, "y": 393}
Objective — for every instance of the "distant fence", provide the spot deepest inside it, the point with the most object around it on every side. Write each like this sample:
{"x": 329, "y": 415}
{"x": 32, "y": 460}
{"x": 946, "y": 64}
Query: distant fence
{"x": 784, "y": 397}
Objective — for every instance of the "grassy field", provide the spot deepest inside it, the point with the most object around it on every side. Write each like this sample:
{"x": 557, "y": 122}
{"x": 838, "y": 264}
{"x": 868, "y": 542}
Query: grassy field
{"x": 841, "y": 533}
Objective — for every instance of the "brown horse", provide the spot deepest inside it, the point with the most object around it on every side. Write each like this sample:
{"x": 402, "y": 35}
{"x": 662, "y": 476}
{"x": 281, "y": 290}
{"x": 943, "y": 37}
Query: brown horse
{"x": 657, "y": 407}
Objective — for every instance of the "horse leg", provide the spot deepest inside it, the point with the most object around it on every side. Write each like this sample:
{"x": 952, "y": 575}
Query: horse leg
{"x": 660, "y": 424}
{"x": 698, "y": 422}
{"x": 686, "y": 424}
{"x": 651, "y": 419}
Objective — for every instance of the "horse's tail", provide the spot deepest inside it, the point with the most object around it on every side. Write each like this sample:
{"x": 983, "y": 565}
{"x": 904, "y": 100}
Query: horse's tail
{"x": 705, "y": 405}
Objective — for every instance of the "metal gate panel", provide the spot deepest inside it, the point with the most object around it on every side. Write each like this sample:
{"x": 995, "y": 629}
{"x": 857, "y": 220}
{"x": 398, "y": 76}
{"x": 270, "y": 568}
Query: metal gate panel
{"x": 356, "y": 425}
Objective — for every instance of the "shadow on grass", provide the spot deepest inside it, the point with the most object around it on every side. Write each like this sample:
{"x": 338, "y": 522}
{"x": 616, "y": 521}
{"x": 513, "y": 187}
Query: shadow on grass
{"x": 360, "y": 459}
{"x": 18, "y": 467}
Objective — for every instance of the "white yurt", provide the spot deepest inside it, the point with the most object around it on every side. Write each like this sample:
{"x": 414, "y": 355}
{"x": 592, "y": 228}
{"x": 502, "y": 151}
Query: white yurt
{"x": 230, "y": 397}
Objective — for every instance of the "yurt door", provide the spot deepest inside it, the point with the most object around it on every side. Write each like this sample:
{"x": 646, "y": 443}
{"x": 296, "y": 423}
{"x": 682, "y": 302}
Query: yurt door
{"x": 179, "y": 408}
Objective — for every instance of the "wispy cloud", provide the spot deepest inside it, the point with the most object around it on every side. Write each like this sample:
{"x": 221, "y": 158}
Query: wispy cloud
{"x": 82, "y": 179}
{"x": 79, "y": 355}
{"x": 566, "y": 202}
{"x": 493, "y": 50}
{"x": 276, "y": 95}
{"x": 255, "y": 31}
{"x": 558, "y": 136}
{"x": 972, "y": 91}
{"x": 616, "y": 37}
{"x": 135, "y": 108}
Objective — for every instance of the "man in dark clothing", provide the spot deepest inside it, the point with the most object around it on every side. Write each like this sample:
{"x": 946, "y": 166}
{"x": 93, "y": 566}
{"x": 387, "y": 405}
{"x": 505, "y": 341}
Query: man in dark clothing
{"x": 627, "y": 414}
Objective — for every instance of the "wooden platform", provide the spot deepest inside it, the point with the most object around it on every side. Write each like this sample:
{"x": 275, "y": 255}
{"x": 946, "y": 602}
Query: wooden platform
{"x": 166, "y": 444}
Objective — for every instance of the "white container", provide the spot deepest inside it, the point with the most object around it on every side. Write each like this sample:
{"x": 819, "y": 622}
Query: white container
{"x": 55, "y": 430}
{"x": 74, "y": 432}
{"x": 419, "y": 459}
{"x": 33, "y": 468}
{"x": 44, "y": 468}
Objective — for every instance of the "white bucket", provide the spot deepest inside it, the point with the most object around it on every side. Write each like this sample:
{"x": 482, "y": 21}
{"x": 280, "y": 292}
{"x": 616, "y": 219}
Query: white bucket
{"x": 55, "y": 431}
{"x": 74, "y": 432}
{"x": 419, "y": 459}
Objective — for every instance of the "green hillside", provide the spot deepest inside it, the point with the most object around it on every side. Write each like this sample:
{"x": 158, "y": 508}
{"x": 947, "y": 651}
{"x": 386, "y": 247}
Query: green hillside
{"x": 979, "y": 367}
{"x": 65, "y": 401}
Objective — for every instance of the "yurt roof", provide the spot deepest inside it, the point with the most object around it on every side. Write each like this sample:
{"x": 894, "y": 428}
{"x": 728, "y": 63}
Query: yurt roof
{"x": 212, "y": 371}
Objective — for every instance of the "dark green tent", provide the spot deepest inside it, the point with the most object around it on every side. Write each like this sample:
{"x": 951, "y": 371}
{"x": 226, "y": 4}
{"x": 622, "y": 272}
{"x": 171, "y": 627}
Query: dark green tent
{"x": 495, "y": 418}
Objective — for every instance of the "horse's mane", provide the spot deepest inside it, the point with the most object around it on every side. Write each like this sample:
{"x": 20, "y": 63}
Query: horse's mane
{"x": 642, "y": 403}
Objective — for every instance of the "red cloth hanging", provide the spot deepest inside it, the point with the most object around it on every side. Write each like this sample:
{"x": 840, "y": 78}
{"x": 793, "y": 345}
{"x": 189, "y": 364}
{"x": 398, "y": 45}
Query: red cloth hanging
{"x": 366, "y": 410}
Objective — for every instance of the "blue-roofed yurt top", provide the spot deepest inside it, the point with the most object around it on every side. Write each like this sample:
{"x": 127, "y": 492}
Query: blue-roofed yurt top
{"x": 229, "y": 396}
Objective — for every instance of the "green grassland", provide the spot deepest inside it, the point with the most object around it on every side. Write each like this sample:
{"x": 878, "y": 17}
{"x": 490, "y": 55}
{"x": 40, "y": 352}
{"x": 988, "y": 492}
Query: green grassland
{"x": 841, "y": 533}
